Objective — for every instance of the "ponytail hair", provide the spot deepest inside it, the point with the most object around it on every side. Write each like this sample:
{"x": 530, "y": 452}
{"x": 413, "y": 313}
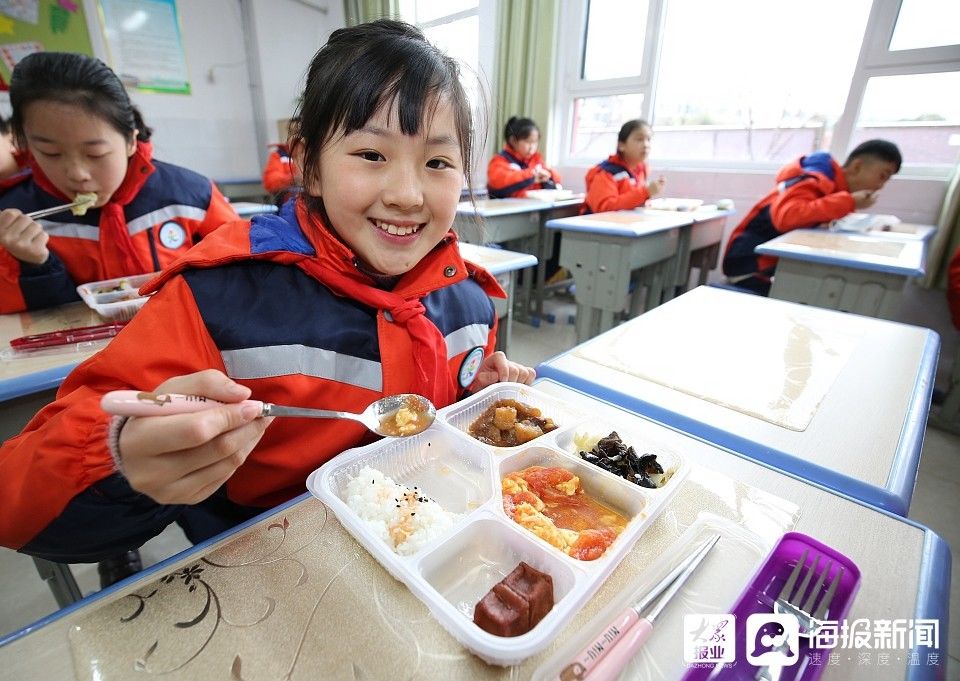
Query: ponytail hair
{"x": 519, "y": 128}
{"x": 75, "y": 79}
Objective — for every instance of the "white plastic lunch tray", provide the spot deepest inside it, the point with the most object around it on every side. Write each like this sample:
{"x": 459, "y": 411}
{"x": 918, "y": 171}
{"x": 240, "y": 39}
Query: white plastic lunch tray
{"x": 115, "y": 304}
{"x": 454, "y": 571}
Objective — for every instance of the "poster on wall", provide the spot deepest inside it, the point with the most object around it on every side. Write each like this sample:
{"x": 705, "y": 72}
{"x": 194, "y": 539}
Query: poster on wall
{"x": 28, "y": 26}
{"x": 144, "y": 44}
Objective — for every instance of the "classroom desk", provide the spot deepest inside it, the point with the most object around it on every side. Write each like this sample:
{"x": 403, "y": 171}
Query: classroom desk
{"x": 837, "y": 399}
{"x": 699, "y": 246}
{"x": 21, "y": 377}
{"x": 502, "y": 264}
{"x": 520, "y": 222}
{"x": 602, "y": 251}
{"x": 243, "y": 189}
{"x": 843, "y": 270}
{"x": 247, "y": 209}
{"x": 290, "y": 594}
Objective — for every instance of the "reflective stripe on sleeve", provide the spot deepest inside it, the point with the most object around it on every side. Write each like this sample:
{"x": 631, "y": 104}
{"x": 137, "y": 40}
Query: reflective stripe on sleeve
{"x": 284, "y": 360}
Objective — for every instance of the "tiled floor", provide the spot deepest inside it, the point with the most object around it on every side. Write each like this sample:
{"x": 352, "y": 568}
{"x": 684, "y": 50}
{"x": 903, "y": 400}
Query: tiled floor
{"x": 936, "y": 503}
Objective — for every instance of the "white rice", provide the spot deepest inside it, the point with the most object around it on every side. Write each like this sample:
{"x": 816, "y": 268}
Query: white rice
{"x": 404, "y": 518}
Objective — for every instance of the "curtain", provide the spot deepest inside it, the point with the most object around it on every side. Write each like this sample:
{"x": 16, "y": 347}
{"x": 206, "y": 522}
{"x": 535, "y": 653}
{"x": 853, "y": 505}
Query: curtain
{"x": 526, "y": 54}
{"x": 361, "y": 11}
{"x": 946, "y": 241}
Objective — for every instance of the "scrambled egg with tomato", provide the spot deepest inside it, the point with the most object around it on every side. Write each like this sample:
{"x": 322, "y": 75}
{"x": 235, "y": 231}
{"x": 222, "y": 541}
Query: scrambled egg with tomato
{"x": 551, "y": 503}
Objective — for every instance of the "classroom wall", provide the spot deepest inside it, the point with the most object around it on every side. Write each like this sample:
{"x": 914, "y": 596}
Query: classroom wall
{"x": 212, "y": 129}
{"x": 287, "y": 33}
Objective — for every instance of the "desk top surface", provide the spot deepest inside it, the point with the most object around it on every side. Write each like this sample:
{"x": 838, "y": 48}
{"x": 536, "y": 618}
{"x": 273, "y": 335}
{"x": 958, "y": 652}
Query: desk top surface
{"x": 488, "y": 208}
{"x": 837, "y": 398}
{"x": 24, "y": 376}
{"x": 496, "y": 260}
{"x": 906, "y": 257}
{"x": 273, "y": 586}
{"x": 633, "y": 223}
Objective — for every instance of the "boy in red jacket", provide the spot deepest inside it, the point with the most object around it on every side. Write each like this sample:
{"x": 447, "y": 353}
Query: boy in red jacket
{"x": 810, "y": 191}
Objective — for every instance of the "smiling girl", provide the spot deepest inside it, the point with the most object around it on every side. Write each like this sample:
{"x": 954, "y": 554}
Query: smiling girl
{"x": 354, "y": 291}
{"x": 74, "y": 117}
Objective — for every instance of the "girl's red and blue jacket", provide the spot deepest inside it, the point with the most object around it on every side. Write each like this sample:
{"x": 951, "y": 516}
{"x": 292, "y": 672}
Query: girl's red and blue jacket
{"x": 612, "y": 185}
{"x": 508, "y": 175}
{"x": 810, "y": 191}
{"x": 159, "y": 211}
{"x": 245, "y": 301}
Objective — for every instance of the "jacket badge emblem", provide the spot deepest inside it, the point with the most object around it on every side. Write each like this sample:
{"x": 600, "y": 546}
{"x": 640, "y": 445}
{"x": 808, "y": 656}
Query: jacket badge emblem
{"x": 470, "y": 367}
{"x": 172, "y": 235}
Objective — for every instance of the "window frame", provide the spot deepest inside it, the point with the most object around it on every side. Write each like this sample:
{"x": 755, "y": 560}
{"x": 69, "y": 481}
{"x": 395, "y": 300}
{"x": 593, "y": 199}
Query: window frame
{"x": 875, "y": 60}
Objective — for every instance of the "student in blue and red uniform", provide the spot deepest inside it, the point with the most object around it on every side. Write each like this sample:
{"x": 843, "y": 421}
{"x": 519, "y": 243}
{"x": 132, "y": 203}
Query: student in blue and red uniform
{"x": 620, "y": 182}
{"x": 518, "y": 167}
{"x": 811, "y": 190}
{"x": 356, "y": 290}
{"x": 83, "y": 135}
{"x": 281, "y": 177}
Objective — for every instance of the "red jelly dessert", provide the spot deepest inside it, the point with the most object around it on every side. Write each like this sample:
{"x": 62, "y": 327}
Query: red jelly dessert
{"x": 516, "y": 603}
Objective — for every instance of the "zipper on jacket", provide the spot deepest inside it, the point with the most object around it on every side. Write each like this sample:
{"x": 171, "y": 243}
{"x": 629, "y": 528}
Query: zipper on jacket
{"x": 153, "y": 250}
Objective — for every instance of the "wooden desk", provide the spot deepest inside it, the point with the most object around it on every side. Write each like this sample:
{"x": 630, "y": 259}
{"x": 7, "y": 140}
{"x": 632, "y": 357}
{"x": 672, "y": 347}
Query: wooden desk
{"x": 290, "y": 594}
{"x": 26, "y": 376}
{"x": 502, "y": 264}
{"x": 603, "y": 251}
{"x": 837, "y": 399}
{"x": 845, "y": 271}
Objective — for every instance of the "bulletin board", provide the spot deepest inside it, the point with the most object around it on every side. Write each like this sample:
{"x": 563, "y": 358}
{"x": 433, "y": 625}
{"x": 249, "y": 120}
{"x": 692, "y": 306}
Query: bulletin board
{"x": 145, "y": 44}
{"x": 28, "y": 26}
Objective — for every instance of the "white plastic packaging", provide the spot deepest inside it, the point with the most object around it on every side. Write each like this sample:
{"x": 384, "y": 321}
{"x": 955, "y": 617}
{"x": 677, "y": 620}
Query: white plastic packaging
{"x": 115, "y": 305}
{"x": 454, "y": 571}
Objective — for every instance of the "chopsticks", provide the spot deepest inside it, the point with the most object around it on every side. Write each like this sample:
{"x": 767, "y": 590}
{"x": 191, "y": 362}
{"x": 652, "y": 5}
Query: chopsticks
{"x": 58, "y": 209}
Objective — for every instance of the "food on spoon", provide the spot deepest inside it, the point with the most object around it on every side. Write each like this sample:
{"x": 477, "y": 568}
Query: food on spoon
{"x": 611, "y": 454}
{"x": 516, "y": 603}
{"x": 405, "y": 518}
{"x": 409, "y": 419}
{"x": 86, "y": 201}
{"x": 507, "y": 423}
{"x": 551, "y": 503}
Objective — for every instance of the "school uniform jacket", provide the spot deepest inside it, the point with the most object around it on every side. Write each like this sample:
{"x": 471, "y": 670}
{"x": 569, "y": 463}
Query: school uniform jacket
{"x": 158, "y": 212}
{"x": 611, "y": 185}
{"x": 810, "y": 190}
{"x": 953, "y": 288}
{"x": 509, "y": 175}
{"x": 278, "y": 172}
{"x": 245, "y": 301}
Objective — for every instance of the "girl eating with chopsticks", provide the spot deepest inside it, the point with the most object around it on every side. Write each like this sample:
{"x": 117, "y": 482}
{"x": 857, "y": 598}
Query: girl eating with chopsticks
{"x": 87, "y": 141}
{"x": 356, "y": 290}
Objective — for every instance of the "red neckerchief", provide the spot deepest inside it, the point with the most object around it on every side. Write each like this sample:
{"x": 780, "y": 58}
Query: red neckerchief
{"x": 429, "y": 346}
{"x": 117, "y": 252}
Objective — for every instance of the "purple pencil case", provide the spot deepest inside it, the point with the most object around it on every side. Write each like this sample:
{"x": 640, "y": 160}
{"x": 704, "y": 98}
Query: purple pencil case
{"x": 759, "y": 597}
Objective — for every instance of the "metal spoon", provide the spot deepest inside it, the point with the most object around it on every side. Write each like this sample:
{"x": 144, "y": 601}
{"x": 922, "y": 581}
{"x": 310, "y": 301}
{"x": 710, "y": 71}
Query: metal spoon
{"x": 395, "y": 415}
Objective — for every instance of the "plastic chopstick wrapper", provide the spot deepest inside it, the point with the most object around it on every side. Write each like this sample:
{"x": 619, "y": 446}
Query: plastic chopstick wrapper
{"x": 77, "y": 340}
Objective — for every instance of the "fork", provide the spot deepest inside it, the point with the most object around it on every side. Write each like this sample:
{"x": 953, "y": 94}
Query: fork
{"x": 808, "y": 612}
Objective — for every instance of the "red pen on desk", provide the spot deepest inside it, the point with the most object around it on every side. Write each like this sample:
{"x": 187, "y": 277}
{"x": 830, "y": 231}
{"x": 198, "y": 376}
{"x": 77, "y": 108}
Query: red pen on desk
{"x": 67, "y": 336}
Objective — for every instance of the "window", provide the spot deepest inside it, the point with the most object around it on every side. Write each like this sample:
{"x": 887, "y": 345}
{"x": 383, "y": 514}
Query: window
{"x": 604, "y": 58}
{"x": 754, "y": 83}
{"x": 926, "y": 23}
{"x": 918, "y": 112}
{"x": 597, "y": 120}
{"x": 727, "y": 90}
